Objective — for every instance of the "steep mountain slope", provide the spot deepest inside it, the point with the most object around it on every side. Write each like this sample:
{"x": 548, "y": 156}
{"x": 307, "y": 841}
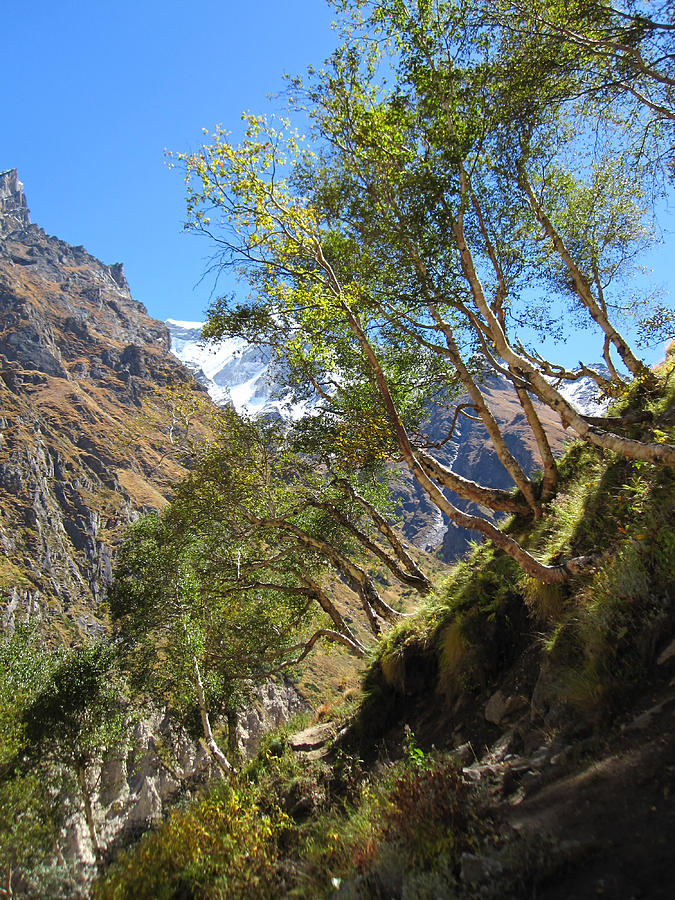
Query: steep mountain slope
{"x": 87, "y": 386}
{"x": 513, "y": 739}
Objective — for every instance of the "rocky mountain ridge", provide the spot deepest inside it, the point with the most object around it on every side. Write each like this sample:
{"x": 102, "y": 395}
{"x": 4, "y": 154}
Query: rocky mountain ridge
{"x": 81, "y": 364}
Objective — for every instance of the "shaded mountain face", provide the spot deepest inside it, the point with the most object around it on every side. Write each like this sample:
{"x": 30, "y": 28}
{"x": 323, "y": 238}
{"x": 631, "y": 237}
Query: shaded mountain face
{"x": 470, "y": 453}
{"x": 86, "y": 387}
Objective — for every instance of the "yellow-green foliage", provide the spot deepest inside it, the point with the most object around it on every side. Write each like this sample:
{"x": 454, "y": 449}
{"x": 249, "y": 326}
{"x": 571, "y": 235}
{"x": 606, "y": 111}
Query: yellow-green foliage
{"x": 222, "y": 847}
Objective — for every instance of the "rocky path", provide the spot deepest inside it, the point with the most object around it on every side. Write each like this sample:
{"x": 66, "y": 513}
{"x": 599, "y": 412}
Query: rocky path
{"x": 575, "y": 821}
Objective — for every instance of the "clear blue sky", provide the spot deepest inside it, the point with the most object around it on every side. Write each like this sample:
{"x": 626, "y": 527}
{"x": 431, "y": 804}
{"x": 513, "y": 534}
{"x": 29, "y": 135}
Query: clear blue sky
{"x": 94, "y": 92}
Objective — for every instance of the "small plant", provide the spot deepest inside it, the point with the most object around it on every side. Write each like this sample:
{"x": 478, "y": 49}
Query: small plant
{"x": 428, "y": 813}
{"x": 415, "y": 754}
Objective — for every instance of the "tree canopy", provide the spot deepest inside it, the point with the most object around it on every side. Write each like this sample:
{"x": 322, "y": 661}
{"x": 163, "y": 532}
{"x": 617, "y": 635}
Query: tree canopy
{"x": 229, "y": 584}
{"x": 444, "y": 198}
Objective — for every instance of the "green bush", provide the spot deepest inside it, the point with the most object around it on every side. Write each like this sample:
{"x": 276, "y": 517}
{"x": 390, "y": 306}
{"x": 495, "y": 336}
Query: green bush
{"x": 222, "y": 847}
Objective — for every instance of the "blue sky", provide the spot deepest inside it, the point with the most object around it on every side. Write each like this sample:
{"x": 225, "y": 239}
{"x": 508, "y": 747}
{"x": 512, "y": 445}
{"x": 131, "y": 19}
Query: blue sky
{"x": 94, "y": 92}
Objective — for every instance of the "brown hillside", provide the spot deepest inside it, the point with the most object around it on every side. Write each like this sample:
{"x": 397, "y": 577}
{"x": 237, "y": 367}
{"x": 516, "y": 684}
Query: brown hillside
{"x": 88, "y": 389}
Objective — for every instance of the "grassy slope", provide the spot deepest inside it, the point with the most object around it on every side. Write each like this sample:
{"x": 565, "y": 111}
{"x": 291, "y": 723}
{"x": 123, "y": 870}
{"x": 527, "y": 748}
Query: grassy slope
{"x": 297, "y": 827}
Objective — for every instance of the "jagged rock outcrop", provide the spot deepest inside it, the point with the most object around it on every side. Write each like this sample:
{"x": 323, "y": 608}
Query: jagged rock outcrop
{"x": 85, "y": 378}
{"x": 88, "y": 389}
{"x": 162, "y": 764}
{"x": 14, "y": 212}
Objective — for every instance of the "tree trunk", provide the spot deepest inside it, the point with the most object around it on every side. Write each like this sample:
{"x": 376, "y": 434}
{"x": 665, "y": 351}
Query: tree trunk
{"x": 328, "y": 607}
{"x": 504, "y": 455}
{"x": 550, "y": 478}
{"x": 232, "y": 743}
{"x": 529, "y": 563}
{"x": 89, "y": 815}
{"x": 493, "y": 498}
{"x": 418, "y": 581}
{"x": 358, "y": 580}
{"x": 384, "y": 528}
{"x": 8, "y": 891}
{"x": 213, "y": 748}
{"x": 663, "y": 454}
{"x": 582, "y": 290}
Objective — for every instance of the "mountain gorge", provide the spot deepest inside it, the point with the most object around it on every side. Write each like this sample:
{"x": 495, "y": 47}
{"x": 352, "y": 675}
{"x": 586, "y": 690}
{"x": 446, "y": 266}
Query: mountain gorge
{"x": 91, "y": 429}
{"x": 89, "y": 384}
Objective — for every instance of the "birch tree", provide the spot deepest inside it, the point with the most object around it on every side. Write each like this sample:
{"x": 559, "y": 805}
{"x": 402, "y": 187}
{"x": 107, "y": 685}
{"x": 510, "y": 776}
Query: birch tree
{"x": 231, "y": 583}
{"x": 426, "y": 219}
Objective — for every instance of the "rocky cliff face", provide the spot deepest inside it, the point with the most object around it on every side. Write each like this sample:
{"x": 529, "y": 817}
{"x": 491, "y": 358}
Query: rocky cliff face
{"x": 135, "y": 790}
{"x": 86, "y": 378}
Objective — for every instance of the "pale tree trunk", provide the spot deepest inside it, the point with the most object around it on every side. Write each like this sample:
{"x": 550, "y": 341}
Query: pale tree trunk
{"x": 89, "y": 815}
{"x": 213, "y": 748}
{"x": 529, "y": 563}
{"x": 384, "y": 528}
{"x": 418, "y": 581}
{"x": 329, "y": 607}
{"x": 663, "y": 454}
{"x": 550, "y": 477}
{"x": 581, "y": 287}
{"x": 493, "y": 498}
{"x": 306, "y": 648}
{"x": 504, "y": 455}
{"x": 8, "y": 891}
{"x": 499, "y": 444}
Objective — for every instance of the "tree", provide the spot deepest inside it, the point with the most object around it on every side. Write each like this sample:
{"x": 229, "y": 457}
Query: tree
{"x": 616, "y": 53}
{"x": 28, "y": 818}
{"x": 76, "y": 719}
{"x": 225, "y": 587}
{"x": 428, "y": 220}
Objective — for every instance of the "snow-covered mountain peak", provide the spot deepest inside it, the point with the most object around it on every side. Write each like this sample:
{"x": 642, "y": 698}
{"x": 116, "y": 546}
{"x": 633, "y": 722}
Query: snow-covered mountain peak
{"x": 233, "y": 372}
{"x": 237, "y": 373}
{"x": 584, "y": 394}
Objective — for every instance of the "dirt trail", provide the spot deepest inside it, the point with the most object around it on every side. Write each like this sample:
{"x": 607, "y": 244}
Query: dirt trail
{"x": 612, "y": 821}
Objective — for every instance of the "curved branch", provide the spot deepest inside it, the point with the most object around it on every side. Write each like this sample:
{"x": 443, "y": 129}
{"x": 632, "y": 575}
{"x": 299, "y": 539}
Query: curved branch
{"x": 493, "y": 498}
{"x": 356, "y": 648}
{"x": 329, "y": 607}
{"x": 418, "y": 581}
